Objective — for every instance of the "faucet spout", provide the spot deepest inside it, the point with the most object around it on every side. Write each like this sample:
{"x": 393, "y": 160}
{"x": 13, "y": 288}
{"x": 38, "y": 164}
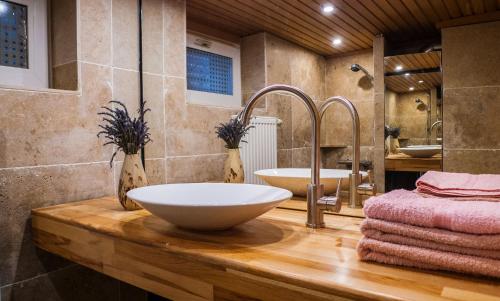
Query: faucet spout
{"x": 355, "y": 178}
{"x": 315, "y": 188}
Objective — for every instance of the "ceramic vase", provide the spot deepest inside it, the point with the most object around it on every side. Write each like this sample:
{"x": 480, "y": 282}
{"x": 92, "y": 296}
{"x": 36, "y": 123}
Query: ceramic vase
{"x": 391, "y": 145}
{"x": 233, "y": 168}
{"x": 132, "y": 176}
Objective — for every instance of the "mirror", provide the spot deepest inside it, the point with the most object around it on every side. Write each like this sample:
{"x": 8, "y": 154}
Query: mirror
{"x": 413, "y": 117}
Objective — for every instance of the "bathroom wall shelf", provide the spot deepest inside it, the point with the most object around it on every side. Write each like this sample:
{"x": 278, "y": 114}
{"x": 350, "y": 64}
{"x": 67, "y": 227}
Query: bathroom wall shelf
{"x": 285, "y": 261}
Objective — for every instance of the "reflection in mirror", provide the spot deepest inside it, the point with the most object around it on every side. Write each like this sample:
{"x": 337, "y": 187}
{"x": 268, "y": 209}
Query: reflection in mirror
{"x": 413, "y": 114}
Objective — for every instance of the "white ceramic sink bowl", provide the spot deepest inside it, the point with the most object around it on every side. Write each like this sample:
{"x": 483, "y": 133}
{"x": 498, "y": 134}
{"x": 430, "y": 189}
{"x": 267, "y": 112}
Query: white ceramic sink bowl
{"x": 421, "y": 151}
{"x": 208, "y": 206}
{"x": 296, "y": 179}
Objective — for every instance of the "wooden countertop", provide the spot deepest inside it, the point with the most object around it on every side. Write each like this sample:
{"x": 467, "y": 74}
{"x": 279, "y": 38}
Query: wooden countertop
{"x": 274, "y": 257}
{"x": 402, "y": 162}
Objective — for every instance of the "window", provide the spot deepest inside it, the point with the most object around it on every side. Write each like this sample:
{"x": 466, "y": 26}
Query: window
{"x": 213, "y": 72}
{"x": 23, "y": 42}
{"x": 14, "y": 35}
{"x": 38, "y": 44}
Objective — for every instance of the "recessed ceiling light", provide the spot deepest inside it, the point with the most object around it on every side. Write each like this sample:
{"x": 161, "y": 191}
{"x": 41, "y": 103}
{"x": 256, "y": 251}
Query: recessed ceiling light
{"x": 420, "y": 81}
{"x": 407, "y": 74}
{"x": 337, "y": 41}
{"x": 398, "y": 68}
{"x": 327, "y": 8}
{"x": 411, "y": 88}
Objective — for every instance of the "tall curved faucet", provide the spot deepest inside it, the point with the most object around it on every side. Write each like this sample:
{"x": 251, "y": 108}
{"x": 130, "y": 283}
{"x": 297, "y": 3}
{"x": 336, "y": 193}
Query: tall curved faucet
{"x": 354, "y": 177}
{"x": 316, "y": 203}
{"x": 438, "y": 122}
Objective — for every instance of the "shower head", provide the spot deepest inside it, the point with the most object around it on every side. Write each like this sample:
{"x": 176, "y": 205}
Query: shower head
{"x": 421, "y": 106}
{"x": 357, "y": 67}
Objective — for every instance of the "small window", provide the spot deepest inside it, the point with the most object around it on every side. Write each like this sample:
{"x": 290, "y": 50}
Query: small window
{"x": 213, "y": 72}
{"x": 38, "y": 47}
{"x": 209, "y": 72}
{"x": 13, "y": 34}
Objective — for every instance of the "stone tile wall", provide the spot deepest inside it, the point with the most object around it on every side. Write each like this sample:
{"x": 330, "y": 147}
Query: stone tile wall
{"x": 471, "y": 104}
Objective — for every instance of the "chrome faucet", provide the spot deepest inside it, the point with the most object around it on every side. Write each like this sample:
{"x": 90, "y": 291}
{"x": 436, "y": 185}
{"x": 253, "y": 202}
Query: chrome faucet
{"x": 355, "y": 189}
{"x": 439, "y": 122}
{"x": 316, "y": 203}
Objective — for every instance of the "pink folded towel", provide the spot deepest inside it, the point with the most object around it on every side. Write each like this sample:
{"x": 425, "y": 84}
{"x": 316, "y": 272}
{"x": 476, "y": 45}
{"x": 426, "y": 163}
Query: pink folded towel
{"x": 435, "y": 239}
{"x": 411, "y": 256}
{"x": 450, "y": 184}
{"x": 402, "y": 206}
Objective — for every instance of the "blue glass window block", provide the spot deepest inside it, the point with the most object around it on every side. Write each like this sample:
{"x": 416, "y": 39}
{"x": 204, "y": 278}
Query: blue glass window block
{"x": 13, "y": 34}
{"x": 209, "y": 72}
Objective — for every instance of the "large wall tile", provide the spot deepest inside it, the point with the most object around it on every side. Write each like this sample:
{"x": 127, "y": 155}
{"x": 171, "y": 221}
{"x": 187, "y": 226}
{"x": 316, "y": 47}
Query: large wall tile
{"x": 280, "y": 106}
{"x": 201, "y": 168}
{"x": 75, "y": 283}
{"x": 53, "y": 128}
{"x": 125, "y": 34}
{"x": 155, "y": 171}
{"x": 95, "y": 31}
{"x": 190, "y": 129}
{"x": 470, "y": 55}
{"x": 126, "y": 88}
{"x": 301, "y": 157}
{"x": 152, "y": 36}
{"x": 278, "y": 69}
{"x": 154, "y": 98}
{"x": 284, "y": 158}
{"x": 22, "y": 189}
{"x": 253, "y": 63}
{"x": 471, "y": 161}
{"x": 471, "y": 118}
{"x": 340, "y": 80}
{"x": 175, "y": 38}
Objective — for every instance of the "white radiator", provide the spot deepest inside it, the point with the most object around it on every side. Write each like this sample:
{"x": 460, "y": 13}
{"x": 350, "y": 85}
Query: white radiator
{"x": 261, "y": 151}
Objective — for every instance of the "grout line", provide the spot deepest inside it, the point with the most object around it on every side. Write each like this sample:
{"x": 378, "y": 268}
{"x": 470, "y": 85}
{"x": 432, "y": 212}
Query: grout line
{"x": 174, "y": 76}
{"x": 472, "y": 87}
{"x": 163, "y": 93}
{"x": 191, "y": 156}
{"x": 112, "y": 53}
{"x": 53, "y": 165}
{"x": 38, "y": 276}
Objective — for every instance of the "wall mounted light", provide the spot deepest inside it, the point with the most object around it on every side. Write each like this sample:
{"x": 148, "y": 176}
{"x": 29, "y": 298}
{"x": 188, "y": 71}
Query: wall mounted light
{"x": 398, "y": 68}
{"x": 411, "y": 88}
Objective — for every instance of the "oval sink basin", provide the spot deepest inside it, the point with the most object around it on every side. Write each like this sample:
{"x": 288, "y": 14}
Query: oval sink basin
{"x": 296, "y": 179}
{"x": 208, "y": 206}
{"x": 421, "y": 151}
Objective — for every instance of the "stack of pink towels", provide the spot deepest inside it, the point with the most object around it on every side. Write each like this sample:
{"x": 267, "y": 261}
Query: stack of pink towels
{"x": 430, "y": 232}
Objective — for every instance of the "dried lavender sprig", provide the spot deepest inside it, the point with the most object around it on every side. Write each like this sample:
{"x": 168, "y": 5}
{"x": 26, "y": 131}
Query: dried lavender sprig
{"x": 232, "y": 132}
{"x": 118, "y": 128}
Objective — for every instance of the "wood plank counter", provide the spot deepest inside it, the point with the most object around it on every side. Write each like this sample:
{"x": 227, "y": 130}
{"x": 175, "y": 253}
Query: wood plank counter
{"x": 274, "y": 257}
{"x": 402, "y": 162}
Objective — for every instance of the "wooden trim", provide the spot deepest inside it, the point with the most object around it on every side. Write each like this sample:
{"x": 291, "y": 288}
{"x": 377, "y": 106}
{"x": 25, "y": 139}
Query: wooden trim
{"x": 469, "y": 20}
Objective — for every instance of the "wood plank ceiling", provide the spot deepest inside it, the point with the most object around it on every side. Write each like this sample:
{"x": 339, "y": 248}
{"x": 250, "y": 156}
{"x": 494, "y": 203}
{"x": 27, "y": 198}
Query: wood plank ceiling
{"x": 356, "y": 22}
{"x": 409, "y": 77}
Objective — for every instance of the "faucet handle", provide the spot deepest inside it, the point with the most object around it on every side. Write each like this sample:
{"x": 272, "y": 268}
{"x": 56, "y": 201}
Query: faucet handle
{"x": 332, "y": 203}
{"x": 367, "y": 189}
